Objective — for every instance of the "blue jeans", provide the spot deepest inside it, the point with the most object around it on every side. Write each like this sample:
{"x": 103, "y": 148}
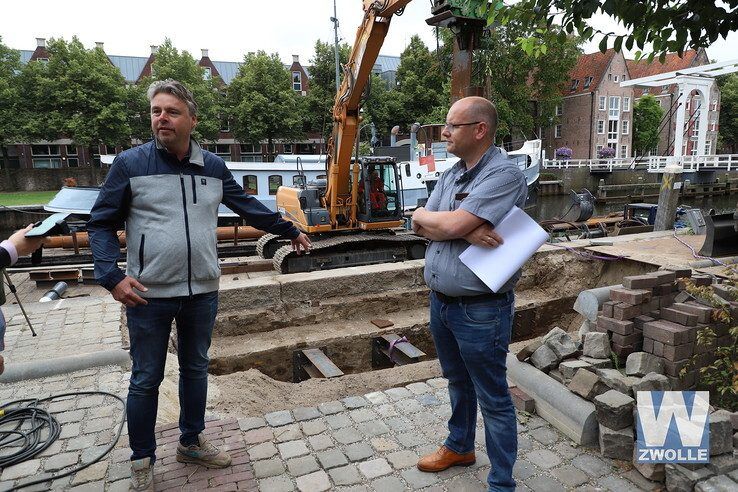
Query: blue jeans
{"x": 149, "y": 327}
{"x": 472, "y": 343}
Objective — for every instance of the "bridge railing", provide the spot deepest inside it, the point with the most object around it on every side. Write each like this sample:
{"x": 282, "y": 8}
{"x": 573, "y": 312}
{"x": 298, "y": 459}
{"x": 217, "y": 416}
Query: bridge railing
{"x": 593, "y": 164}
{"x": 694, "y": 163}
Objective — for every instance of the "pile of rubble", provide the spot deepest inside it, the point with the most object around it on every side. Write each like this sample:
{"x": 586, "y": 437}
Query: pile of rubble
{"x": 643, "y": 336}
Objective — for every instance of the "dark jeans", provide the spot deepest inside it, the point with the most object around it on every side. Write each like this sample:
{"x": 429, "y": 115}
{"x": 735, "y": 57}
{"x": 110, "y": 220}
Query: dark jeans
{"x": 472, "y": 343}
{"x": 149, "y": 327}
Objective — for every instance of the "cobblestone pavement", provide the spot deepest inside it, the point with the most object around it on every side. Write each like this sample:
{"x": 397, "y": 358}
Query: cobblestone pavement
{"x": 64, "y": 328}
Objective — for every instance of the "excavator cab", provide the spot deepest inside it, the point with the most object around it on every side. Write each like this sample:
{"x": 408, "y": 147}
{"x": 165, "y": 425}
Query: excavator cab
{"x": 378, "y": 198}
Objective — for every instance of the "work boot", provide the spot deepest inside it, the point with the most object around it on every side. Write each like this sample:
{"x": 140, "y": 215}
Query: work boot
{"x": 142, "y": 475}
{"x": 443, "y": 459}
{"x": 204, "y": 454}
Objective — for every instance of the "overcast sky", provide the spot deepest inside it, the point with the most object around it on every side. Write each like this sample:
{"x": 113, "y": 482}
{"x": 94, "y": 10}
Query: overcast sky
{"x": 228, "y": 29}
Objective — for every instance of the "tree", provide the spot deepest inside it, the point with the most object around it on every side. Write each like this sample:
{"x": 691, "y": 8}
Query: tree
{"x": 381, "y": 107}
{"x": 419, "y": 83}
{"x": 647, "y": 114}
{"x": 319, "y": 101}
{"x": 262, "y": 102}
{"x": 11, "y": 124}
{"x": 77, "y": 94}
{"x": 729, "y": 111}
{"x": 655, "y": 27}
{"x": 170, "y": 63}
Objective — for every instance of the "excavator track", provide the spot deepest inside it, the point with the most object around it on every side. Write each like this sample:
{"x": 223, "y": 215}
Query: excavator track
{"x": 267, "y": 245}
{"x": 350, "y": 250}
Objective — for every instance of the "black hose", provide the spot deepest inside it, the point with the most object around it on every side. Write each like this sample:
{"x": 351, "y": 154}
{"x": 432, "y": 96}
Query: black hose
{"x": 38, "y": 422}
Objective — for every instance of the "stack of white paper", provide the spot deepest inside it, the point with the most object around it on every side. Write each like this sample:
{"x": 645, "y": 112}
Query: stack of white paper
{"x": 522, "y": 237}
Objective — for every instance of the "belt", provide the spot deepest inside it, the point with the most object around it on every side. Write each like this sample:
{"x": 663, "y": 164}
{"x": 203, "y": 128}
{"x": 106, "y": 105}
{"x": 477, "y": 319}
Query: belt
{"x": 492, "y": 296}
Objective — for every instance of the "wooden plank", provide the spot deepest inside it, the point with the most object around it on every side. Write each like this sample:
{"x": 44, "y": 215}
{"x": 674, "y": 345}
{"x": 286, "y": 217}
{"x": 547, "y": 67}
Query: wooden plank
{"x": 406, "y": 348}
{"x": 322, "y": 363}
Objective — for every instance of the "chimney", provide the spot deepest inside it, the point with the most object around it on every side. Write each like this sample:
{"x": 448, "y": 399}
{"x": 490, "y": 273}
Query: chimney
{"x": 205, "y": 53}
{"x": 100, "y": 44}
{"x": 154, "y": 49}
{"x": 41, "y": 42}
{"x": 295, "y": 58}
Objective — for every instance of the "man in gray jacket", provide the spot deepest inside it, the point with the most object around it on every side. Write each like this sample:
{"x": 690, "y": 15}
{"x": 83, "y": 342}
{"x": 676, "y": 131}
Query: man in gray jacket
{"x": 167, "y": 193}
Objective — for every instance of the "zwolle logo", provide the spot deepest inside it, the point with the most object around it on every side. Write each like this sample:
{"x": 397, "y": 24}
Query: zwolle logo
{"x": 673, "y": 427}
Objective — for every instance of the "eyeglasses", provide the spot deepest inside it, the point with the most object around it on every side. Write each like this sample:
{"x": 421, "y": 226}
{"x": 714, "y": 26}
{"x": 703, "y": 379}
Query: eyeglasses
{"x": 454, "y": 126}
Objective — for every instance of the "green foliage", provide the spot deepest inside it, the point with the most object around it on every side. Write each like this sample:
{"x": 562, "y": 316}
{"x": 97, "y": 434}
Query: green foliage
{"x": 659, "y": 25}
{"x": 262, "y": 104}
{"x": 11, "y": 116}
{"x": 381, "y": 107}
{"x": 647, "y": 114}
{"x": 728, "y": 111}
{"x": 318, "y": 103}
{"x": 78, "y": 94}
{"x": 170, "y": 63}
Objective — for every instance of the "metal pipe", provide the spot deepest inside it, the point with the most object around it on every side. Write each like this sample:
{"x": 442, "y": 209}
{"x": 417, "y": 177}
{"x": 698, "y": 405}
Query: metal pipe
{"x": 52, "y": 295}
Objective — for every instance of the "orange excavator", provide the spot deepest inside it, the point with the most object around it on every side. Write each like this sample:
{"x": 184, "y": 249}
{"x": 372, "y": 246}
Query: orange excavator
{"x": 355, "y": 216}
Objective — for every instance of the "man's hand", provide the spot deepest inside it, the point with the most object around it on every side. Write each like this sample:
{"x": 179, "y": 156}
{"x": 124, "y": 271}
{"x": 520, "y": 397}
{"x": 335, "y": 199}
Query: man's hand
{"x": 484, "y": 236}
{"x": 124, "y": 293}
{"x": 301, "y": 243}
{"x": 25, "y": 245}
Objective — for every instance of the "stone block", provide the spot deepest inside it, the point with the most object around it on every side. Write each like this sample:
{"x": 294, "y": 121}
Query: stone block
{"x": 668, "y": 332}
{"x": 662, "y": 290}
{"x": 641, "y": 320}
{"x": 615, "y": 325}
{"x": 554, "y": 332}
{"x": 678, "y": 352}
{"x": 679, "y": 317}
{"x": 734, "y": 420}
{"x": 569, "y": 367}
{"x": 664, "y": 276}
{"x": 680, "y": 271}
{"x": 596, "y": 345}
{"x": 682, "y": 479}
{"x": 703, "y": 313}
{"x": 544, "y": 358}
{"x": 596, "y": 363}
{"x": 607, "y": 308}
{"x": 702, "y": 280}
{"x": 522, "y": 401}
{"x": 623, "y": 351}
{"x": 587, "y": 385}
{"x": 614, "y": 410}
{"x": 651, "y": 382}
{"x": 672, "y": 368}
{"x": 640, "y": 282}
{"x": 648, "y": 345}
{"x": 655, "y": 472}
{"x": 557, "y": 376}
{"x": 562, "y": 345}
{"x": 616, "y": 443}
{"x": 666, "y": 300}
{"x": 616, "y": 380}
{"x": 723, "y": 463}
{"x": 635, "y": 338}
{"x": 623, "y": 312}
{"x": 586, "y": 327}
{"x": 720, "y": 483}
{"x": 642, "y": 363}
{"x": 721, "y": 433}
{"x": 528, "y": 350}
{"x": 629, "y": 296}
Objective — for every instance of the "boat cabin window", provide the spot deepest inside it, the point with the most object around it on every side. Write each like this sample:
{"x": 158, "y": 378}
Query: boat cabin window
{"x": 275, "y": 181}
{"x": 322, "y": 176}
{"x": 298, "y": 180}
{"x": 250, "y": 185}
{"x": 407, "y": 169}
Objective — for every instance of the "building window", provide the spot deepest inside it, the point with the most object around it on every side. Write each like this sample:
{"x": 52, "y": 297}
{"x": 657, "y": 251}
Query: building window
{"x": 614, "y": 111}
{"x": 626, "y": 127}
{"x": 557, "y": 131}
{"x": 559, "y": 110}
{"x": 626, "y": 104}
{"x": 574, "y": 84}
{"x": 207, "y": 74}
{"x": 713, "y": 126}
{"x": 225, "y": 124}
{"x": 623, "y": 151}
{"x": 250, "y": 184}
{"x": 625, "y": 77}
{"x": 616, "y": 79}
{"x": 599, "y": 147}
{"x": 287, "y": 148}
{"x": 46, "y": 156}
{"x": 71, "y": 149}
{"x": 689, "y": 103}
{"x": 42, "y": 60}
{"x": 696, "y": 127}
{"x": 275, "y": 181}
{"x": 713, "y": 106}
{"x": 587, "y": 82}
{"x": 664, "y": 88}
{"x": 609, "y": 77}
{"x": 601, "y": 127}
{"x": 612, "y": 131}
{"x": 645, "y": 92}
{"x": 708, "y": 147}
{"x": 603, "y": 99}
{"x": 250, "y": 152}
{"x": 297, "y": 81}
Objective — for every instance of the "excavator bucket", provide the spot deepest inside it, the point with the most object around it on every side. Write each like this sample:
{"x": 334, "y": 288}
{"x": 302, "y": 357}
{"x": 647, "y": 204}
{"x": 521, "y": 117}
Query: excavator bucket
{"x": 722, "y": 235}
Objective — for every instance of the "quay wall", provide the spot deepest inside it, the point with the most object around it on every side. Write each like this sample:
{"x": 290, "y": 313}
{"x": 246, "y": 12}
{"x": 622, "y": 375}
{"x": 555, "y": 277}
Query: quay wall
{"x": 49, "y": 179}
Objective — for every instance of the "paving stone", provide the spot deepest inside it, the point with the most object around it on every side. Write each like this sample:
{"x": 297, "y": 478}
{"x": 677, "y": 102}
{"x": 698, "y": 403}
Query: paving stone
{"x": 642, "y": 363}
{"x": 466, "y": 484}
{"x": 543, "y": 458}
{"x": 375, "y": 468}
{"x": 292, "y": 449}
{"x": 345, "y": 475}
{"x": 358, "y": 451}
{"x": 262, "y": 451}
{"x": 332, "y": 458}
{"x": 355, "y": 402}
{"x": 544, "y": 483}
{"x": 388, "y": 484}
{"x": 681, "y": 479}
{"x": 119, "y": 471}
{"x": 591, "y": 465}
{"x": 438, "y": 383}
{"x": 313, "y": 427}
{"x": 617, "y": 381}
{"x": 383, "y": 444}
{"x": 615, "y": 484}
{"x": 362, "y": 415}
{"x": 306, "y": 413}
{"x": 720, "y": 483}
{"x": 725, "y": 463}
{"x": 428, "y": 400}
{"x": 570, "y": 476}
{"x": 92, "y": 454}
{"x": 255, "y": 436}
{"x": 331, "y": 407}
{"x": 402, "y": 459}
{"x": 522, "y": 470}
{"x": 92, "y": 473}
{"x": 562, "y": 345}
{"x": 60, "y": 461}
{"x": 614, "y": 409}
{"x": 417, "y": 479}
{"x": 347, "y": 435}
{"x": 544, "y": 358}
{"x": 282, "y": 483}
{"x": 386, "y": 410}
{"x": 409, "y": 405}
{"x": 338, "y": 421}
{"x": 419, "y": 388}
{"x": 373, "y": 428}
{"x": 545, "y": 435}
{"x": 302, "y": 466}
{"x": 21, "y": 469}
{"x": 587, "y": 385}
{"x": 287, "y": 433}
{"x": 397, "y": 394}
{"x": 320, "y": 442}
{"x": 410, "y": 439}
{"x": 376, "y": 398}
{"x": 569, "y": 367}
{"x": 721, "y": 433}
{"x": 275, "y": 419}
{"x": 70, "y": 430}
{"x": 398, "y": 424}
{"x": 566, "y": 450}
{"x": 314, "y": 482}
{"x": 267, "y": 468}
{"x": 652, "y": 382}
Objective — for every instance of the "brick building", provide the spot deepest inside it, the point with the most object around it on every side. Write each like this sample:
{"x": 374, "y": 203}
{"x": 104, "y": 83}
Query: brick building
{"x": 64, "y": 153}
{"x": 596, "y": 112}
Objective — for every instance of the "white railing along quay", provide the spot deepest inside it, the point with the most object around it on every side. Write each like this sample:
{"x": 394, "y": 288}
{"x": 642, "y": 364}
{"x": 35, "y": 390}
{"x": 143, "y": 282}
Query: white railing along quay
{"x": 694, "y": 163}
{"x": 592, "y": 164}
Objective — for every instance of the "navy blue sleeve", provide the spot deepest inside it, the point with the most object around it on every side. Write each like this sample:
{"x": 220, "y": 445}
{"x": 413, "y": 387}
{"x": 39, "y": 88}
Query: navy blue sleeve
{"x": 256, "y": 213}
{"x": 4, "y": 259}
{"x": 108, "y": 215}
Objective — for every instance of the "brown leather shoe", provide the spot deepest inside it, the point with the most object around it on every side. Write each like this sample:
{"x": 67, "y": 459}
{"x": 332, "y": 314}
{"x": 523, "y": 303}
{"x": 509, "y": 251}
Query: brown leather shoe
{"x": 443, "y": 459}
